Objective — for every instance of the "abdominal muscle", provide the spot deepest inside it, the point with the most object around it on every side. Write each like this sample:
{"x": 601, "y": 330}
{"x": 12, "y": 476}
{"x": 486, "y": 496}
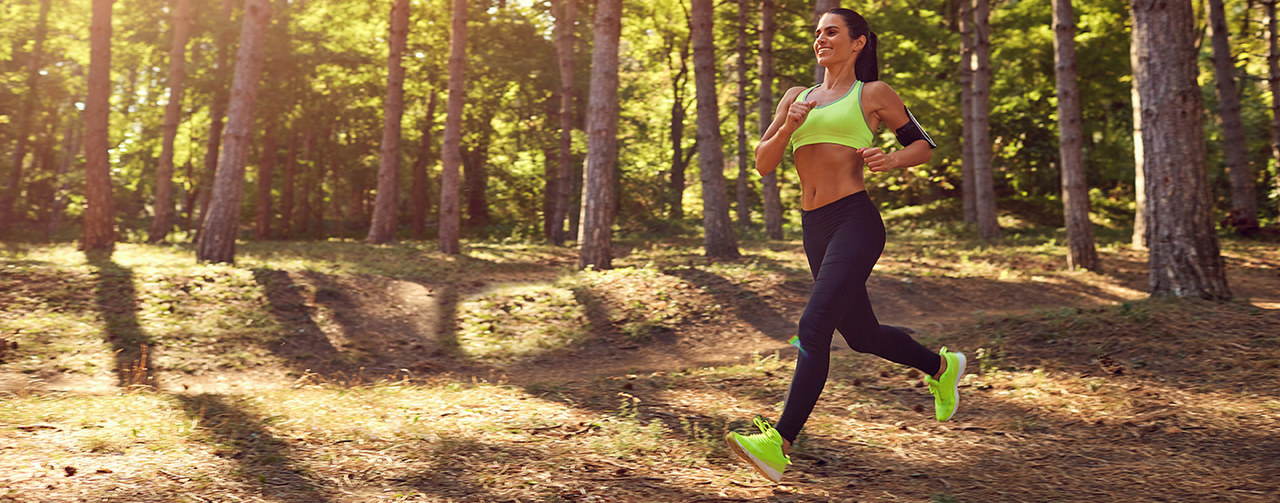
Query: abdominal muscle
{"x": 828, "y": 172}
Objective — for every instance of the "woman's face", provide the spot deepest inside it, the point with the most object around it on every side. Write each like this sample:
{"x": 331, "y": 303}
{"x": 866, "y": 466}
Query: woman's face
{"x": 832, "y": 42}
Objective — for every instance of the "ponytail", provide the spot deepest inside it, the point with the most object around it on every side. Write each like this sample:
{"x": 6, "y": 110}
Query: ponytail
{"x": 867, "y": 67}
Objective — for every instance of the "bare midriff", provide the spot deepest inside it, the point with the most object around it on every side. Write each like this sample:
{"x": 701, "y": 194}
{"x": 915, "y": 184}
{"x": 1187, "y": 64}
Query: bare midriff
{"x": 828, "y": 172}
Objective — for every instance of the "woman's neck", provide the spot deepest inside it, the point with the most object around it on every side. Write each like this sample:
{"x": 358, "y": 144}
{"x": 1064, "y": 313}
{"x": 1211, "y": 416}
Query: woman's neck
{"x": 839, "y": 76}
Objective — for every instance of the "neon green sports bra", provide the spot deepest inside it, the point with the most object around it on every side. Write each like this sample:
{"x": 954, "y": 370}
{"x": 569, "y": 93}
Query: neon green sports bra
{"x": 840, "y": 122}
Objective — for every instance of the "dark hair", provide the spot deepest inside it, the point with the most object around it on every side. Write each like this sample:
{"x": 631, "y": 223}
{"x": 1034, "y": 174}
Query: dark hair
{"x": 867, "y": 67}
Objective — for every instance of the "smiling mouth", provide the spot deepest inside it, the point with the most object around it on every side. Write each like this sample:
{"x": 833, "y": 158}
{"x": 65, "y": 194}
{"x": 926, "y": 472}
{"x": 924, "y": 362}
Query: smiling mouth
{"x": 824, "y": 50}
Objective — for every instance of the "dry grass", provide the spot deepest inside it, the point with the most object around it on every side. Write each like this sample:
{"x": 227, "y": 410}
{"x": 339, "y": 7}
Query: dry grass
{"x": 347, "y": 373}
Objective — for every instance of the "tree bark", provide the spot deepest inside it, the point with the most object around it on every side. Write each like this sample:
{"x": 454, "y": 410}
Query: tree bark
{"x": 772, "y": 195}
{"x": 1081, "y": 253}
{"x": 217, "y": 112}
{"x": 602, "y": 143}
{"x": 968, "y": 179}
{"x": 266, "y": 170}
{"x": 419, "y": 193}
{"x": 743, "y": 189}
{"x": 99, "y": 218}
{"x": 558, "y": 180}
{"x": 1273, "y": 81}
{"x": 475, "y": 177}
{"x": 679, "y": 158}
{"x": 217, "y": 241}
{"x": 719, "y": 240}
{"x": 163, "y": 220}
{"x": 25, "y": 118}
{"x": 984, "y": 181}
{"x": 1244, "y": 206}
{"x": 383, "y": 229}
{"x": 1184, "y": 259}
{"x": 451, "y": 154}
{"x": 287, "y": 187}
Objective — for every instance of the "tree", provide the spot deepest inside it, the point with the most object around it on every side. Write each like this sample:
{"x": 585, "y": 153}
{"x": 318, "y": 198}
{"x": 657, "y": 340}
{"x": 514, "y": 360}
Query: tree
{"x": 418, "y": 192}
{"x": 450, "y": 152}
{"x": 984, "y": 183}
{"x": 384, "y": 211}
{"x": 1139, "y": 170}
{"x": 217, "y": 241}
{"x": 1273, "y": 79}
{"x": 266, "y": 169}
{"x": 679, "y": 157}
{"x": 602, "y": 143}
{"x": 1244, "y": 208}
{"x": 217, "y": 112}
{"x": 743, "y": 188}
{"x": 772, "y": 197}
{"x": 1075, "y": 192}
{"x": 558, "y": 180}
{"x": 968, "y": 180}
{"x": 821, "y": 7}
{"x": 25, "y": 118}
{"x": 172, "y": 115}
{"x": 99, "y": 218}
{"x": 1184, "y": 258}
{"x": 718, "y": 236}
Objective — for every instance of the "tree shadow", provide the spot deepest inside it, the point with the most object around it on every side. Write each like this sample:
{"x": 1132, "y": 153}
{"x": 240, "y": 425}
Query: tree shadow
{"x": 744, "y": 303}
{"x": 266, "y": 462}
{"x": 302, "y": 340}
{"x": 117, "y": 302}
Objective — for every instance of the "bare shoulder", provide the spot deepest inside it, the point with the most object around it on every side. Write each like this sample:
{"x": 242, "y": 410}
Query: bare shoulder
{"x": 792, "y": 94}
{"x": 879, "y": 90}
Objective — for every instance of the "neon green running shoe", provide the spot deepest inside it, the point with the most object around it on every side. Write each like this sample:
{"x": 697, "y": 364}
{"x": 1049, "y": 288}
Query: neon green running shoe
{"x": 763, "y": 451}
{"x": 946, "y": 394}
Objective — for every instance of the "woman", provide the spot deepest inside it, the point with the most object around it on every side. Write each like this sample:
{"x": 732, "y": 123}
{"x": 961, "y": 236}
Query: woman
{"x": 830, "y": 129}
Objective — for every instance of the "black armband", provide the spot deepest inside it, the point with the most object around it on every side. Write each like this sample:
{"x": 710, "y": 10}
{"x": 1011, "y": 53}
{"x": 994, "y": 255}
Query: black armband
{"x": 911, "y": 131}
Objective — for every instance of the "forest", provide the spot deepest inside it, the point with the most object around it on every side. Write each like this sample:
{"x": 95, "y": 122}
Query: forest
{"x": 518, "y": 250}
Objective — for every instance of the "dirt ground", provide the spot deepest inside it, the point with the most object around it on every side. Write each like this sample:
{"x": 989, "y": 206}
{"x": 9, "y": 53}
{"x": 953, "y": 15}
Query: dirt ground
{"x": 1073, "y": 397}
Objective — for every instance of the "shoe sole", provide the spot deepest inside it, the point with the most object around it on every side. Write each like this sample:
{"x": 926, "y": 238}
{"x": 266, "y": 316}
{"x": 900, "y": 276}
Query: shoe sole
{"x": 955, "y": 390}
{"x": 761, "y": 467}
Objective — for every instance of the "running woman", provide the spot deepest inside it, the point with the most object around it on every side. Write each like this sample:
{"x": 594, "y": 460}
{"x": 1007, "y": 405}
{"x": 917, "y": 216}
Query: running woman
{"x": 830, "y": 128}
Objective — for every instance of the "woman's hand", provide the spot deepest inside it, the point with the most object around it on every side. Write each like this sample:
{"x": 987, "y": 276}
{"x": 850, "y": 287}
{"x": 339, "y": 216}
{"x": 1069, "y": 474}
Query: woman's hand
{"x": 877, "y": 160}
{"x": 797, "y": 113}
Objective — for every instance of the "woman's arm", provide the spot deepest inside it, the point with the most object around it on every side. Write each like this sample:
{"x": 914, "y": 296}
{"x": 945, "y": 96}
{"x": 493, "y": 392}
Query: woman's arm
{"x": 773, "y": 144}
{"x": 887, "y": 109}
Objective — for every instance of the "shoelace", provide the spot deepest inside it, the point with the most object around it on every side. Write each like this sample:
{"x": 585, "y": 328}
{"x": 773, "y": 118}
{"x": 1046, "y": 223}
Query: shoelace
{"x": 764, "y": 426}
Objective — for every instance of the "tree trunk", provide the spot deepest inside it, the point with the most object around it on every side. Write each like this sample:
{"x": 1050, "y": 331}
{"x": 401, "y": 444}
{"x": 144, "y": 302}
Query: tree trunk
{"x": 1184, "y": 258}
{"x": 266, "y": 170}
{"x": 679, "y": 159}
{"x": 743, "y": 189}
{"x": 217, "y": 241}
{"x": 1273, "y": 81}
{"x": 1244, "y": 206}
{"x": 217, "y": 111}
{"x": 772, "y": 196}
{"x": 476, "y": 178}
{"x": 821, "y": 7}
{"x": 419, "y": 193}
{"x": 62, "y": 184}
{"x": 163, "y": 220}
{"x": 99, "y": 219}
{"x": 984, "y": 181}
{"x": 451, "y": 155}
{"x": 602, "y": 142}
{"x": 718, "y": 238}
{"x": 287, "y": 188}
{"x": 1075, "y": 191}
{"x": 558, "y": 180}
{"x": 384, "y": 212}
{"x": 25, "y": 117}
{"x": 968, "y": 180}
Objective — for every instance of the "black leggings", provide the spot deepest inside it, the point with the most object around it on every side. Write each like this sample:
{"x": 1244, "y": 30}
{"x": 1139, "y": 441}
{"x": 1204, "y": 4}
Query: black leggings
{"x": 843, "y": 241}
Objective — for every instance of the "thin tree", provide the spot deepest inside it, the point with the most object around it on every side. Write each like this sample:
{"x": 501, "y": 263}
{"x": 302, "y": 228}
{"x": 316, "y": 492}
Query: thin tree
{"x": 418, "y": 191}
{"x": 1139, "y": 170}
{"x": 602, "y": 143}
{"x": 743, "y": 187}
{"x": 984, "y": 181}
{"x": 821, "y": 7}
{"x": 1184, "y": 259}
{"x": 680, "y": 158}
{"x": 1244, "y": 206}
{"x": 719, "y": 240}
{"x": 1273, "y": 79}
{"x": 217, "y": 241}
{"x": 172, "y": 115}
{"x": 266, "y": 170}
{"x": 450, "y": 153}
{"x": 772, "y": 196}
{"x": 217, "y": 112}
{"x": 968, "y": 182}
{"x": 99, "y": 218}
{"x": 25, "y": 118}
{"x": 384, "y": 210}
{"x": 558, "y": 177}
{"x": 1075, "y": 191}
